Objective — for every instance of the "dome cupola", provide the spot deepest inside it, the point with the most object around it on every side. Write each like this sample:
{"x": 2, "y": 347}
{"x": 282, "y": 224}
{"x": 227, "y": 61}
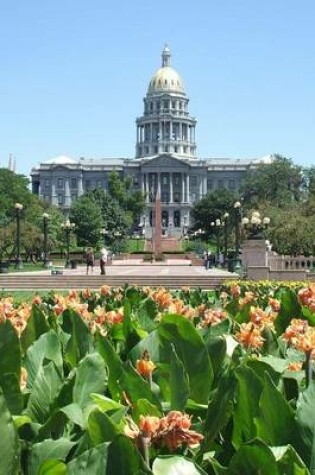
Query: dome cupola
{"x": 166, "y": 125}
{"x": 166, "y": 79}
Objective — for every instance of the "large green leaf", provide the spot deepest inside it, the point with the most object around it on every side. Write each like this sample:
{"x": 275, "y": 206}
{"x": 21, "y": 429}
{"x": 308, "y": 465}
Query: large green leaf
{"x": 220, "y": 406}
{"x": 49, "y": 449}
{"x": 249, "y": 389}
{"x": 288, "y": 461}
{"x": 10, "y": 385}
{"x": 10, "y": 360}
{"x": 306, "y": 422}
{"x": 147, "y": 313}
{"x": 47, "y": 347}
{"x": 52, "y": 467}
{"x": 9, "y": 444}
{"x": 253, "y": 458}
{"x": 106, "y": 404}
{"x": 179, "y": 383}
{"x": 45, "y": 389}
{"x": 79, "y": 342}
{"x": 275, "y": 423}
{"x": 123, "y": 378}
{"x": 124, "y": 458}
{"x": 290, "y": 308}
{"x": 101, "y": 428}
{"x": 35, "y": 327}
{"x": 90, "y": 378}
{"x": 177, "y": 330}
{"x": 93, "y": 461}
{"x": 216, "y": 347}
{"x": 75, "y": 414}
{"x": 175, "y": 465}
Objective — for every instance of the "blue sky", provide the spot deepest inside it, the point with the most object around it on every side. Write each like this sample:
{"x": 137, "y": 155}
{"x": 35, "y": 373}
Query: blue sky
{"x": 73, "y": 75}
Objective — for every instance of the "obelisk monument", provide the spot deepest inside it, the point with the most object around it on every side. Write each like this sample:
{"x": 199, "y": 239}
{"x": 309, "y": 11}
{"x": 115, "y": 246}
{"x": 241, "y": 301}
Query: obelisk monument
{"x": 157, "y": 230}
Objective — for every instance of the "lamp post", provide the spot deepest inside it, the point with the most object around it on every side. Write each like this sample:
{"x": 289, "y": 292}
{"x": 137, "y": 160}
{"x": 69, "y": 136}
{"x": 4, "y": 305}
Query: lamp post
{"x": 255, "y": 225}
{"x": 225, "y": 225}
{"x": 237, "y": 209}
{"x": 118, "y": 234}
{"x": 18, "y": 208}
{"x": 104, "y": 233}
{"x": 68, "y": 228}
{"x": 45, "y": 223}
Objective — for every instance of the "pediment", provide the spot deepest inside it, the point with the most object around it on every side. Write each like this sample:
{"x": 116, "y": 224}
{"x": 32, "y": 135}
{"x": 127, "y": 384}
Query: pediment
{"x": 164, "y": 162}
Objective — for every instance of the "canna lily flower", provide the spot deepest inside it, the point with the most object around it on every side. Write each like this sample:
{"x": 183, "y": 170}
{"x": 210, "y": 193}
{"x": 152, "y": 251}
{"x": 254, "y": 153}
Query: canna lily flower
{"x": 23, "y": 378}
{"x": 250, "y": 336}
{"x": 145, "y": 366}
{"x": 37, "y": 300}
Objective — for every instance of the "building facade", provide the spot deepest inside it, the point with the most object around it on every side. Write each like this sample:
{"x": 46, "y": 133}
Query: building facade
{"x": 165, "y": 160}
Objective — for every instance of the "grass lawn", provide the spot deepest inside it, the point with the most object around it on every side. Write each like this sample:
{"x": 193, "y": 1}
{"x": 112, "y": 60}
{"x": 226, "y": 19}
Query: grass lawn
{"x": 26, "y": 295}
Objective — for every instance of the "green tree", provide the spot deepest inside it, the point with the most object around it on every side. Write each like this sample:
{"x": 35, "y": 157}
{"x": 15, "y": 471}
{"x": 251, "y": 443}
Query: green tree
{"x": 86, "y": 214}
{"x": 211, "y": 207}
{"x": 279, "y": 183}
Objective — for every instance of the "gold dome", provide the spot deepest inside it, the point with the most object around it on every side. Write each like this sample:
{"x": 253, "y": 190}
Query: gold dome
{"x": 166, "y": 79}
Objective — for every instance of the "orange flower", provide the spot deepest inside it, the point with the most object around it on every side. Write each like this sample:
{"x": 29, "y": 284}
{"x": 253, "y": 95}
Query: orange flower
{"x": 274, "y": 304}
{"x": 37, "y": 300}
{"x": 145, "y": 366}
{"x": 23, "y": 378}
{"x": 212, "y": 317}
{"x": 170, "y": 431}
{"x": 248, "y": 298}
{"x": 295, "y": 366}
{"x": 105, "y": 290}
{"x": 149, "y": 425}
{"x": 250, "y": 336}
{"x": 236, "y": 291}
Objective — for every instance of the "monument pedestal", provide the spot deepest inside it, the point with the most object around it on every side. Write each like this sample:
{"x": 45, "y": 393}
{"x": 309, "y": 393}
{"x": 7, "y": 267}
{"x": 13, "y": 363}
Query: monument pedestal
{"x": 255, "y": 259}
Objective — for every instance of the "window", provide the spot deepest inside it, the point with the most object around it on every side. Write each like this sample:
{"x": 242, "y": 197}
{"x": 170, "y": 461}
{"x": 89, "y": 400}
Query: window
{"x": 60, "y": 183}
{"x": 165, "y": 198}
{"x": 164, "y": 180}
{"x": 155, "y": 149}
{"x": 60, "y": 199}
{"x": 210, "y": 184}
{"x": 232, "y": 184}
{"x": 47, "y": 183}
{"x": 74, "y": 197}
{"x": 185, "y": 149}
{"x": 173, "y": 104}
{"x": 176, "y": 180}
{"x": 146, "y": 150}
{"x": 166, "y": 148}
{"x": 176, "y": 197}
{"x": 73, "y": 183}
{"x": 87, "y": 184}
{"x": 98, "y": 183}
{"x": 175, "y": 149}
{"x": 193, "y": 181}
{"x": 220, "y": 184}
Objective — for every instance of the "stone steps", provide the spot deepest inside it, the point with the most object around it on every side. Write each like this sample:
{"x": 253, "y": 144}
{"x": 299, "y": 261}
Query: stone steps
{"x": 62, "y": 282}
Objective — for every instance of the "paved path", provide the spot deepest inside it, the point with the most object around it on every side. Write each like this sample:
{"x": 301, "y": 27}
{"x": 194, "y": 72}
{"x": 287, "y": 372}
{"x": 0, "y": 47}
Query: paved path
{"x": 128, "y": 268}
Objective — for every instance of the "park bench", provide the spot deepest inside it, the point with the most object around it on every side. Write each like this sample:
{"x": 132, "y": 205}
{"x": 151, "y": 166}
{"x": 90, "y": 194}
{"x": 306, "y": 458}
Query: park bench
{"x": 55, "y": 270}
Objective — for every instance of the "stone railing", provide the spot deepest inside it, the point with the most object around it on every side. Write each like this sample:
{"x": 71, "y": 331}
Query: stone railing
{"x": 281, "y": 262}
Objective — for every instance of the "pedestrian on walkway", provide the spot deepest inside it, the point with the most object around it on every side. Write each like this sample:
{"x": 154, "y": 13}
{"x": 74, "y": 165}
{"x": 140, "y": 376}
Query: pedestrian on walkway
{"x": 103, "y": 260}
{"x": 89, "y": 257}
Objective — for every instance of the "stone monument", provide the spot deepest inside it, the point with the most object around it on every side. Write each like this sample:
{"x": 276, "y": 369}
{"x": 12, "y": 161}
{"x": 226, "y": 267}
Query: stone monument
{"x": 157, "y": 228}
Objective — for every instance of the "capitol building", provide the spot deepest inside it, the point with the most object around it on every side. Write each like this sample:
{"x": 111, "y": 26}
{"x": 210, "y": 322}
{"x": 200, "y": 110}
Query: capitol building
{"x": 165, "y": 161}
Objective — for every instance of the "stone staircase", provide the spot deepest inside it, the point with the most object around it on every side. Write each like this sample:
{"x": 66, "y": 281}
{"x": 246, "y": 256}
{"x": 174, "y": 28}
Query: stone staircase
{"x": 64, "y": 282}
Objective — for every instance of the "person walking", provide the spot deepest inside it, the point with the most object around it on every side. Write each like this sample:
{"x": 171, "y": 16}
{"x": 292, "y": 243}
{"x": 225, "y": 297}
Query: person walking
{"x": 89, "y": 261}
{"x": 103, "y": 260}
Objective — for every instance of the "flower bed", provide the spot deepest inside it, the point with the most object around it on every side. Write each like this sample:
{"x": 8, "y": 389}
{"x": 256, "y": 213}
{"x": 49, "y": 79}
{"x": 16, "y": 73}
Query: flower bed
{"x": 147, "y": 381}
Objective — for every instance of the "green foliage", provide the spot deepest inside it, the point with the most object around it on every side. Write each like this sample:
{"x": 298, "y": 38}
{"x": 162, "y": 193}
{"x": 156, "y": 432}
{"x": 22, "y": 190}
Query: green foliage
{"x": 85, "y": 394}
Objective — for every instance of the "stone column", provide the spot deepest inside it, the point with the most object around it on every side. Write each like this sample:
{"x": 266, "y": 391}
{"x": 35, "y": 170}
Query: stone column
{"x": 67, "y": 193}
{"x": 80, "y": 186}
{"x": 54, "y": 200}
{"x": 187, "y": 189}
{"x": 159, "y": 184}
{"x": 183, "y": 188}
{"x": 171, "y": 187}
